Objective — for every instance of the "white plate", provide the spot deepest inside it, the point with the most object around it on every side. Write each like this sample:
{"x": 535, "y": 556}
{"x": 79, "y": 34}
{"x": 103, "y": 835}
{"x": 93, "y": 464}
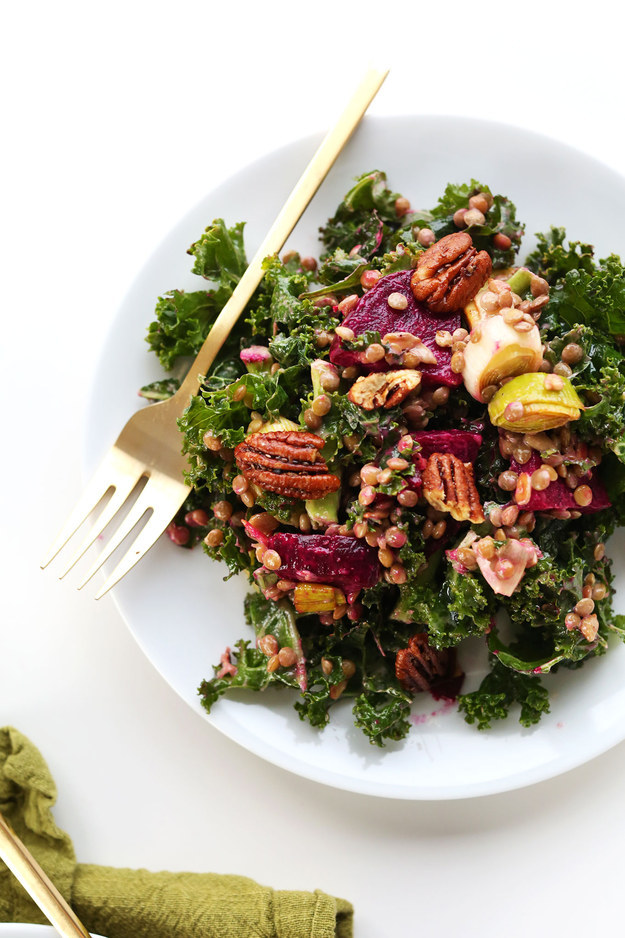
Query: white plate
{"x": 175, "y": 603}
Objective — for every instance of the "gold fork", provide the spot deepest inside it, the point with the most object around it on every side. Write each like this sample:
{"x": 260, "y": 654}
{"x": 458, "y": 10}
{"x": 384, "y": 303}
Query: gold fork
{"x": 149, "y": 446}
{"x": 37, "y": 884}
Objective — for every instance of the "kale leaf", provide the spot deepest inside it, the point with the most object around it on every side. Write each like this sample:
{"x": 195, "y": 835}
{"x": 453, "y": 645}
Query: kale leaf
{"x": 183, "y": 319}
{"x": 599, "y": 378}
{"x": 583, "y": 292}
{"x": 220, "y": 254}
{"x": 500, "y": 219}
{"x": 498, "y": 692}
{"x": 365, "y": 218}
{"x": 552, "y": 259}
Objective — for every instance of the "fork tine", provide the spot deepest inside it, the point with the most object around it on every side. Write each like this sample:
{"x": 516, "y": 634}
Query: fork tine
{"x": 99, "y": 485}
{"x": 123, "y": 489}
{"x": 136, "y": 513}
{"x": 155, "y": 526}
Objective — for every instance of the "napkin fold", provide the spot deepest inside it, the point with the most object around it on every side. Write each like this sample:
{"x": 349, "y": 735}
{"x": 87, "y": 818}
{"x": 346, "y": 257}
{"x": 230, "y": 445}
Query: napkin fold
{"x": 127, "y": 903}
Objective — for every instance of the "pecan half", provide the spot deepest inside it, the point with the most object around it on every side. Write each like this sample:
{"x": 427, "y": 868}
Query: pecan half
{"x": 419, "y": 667}
{"x": 384, "y": 389}
{"x": 450, "y": 273}
{"x": 449, "y": 485}
{"x": 287, "y": 462}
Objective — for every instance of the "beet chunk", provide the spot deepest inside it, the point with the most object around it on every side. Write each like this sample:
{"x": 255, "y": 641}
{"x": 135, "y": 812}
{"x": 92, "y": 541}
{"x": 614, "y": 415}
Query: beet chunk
{"x": 340, "y": 561}
{"x": 461, "y": 443}
{"x": 558, "y": 494}
{"x": 373, "y": 314}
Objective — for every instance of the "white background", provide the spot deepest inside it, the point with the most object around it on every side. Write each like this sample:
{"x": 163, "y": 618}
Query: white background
{"x": 118, "y": 118}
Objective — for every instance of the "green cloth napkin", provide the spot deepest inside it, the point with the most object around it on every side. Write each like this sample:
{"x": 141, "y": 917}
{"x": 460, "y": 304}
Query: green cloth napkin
{"x": 125, "y": 903}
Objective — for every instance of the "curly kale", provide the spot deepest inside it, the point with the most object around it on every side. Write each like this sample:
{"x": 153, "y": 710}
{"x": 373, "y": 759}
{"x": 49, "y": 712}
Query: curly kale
{"x": 583, "y": 291}
{"x": 552, "y": 259}
{"x": 183, "y": 320}
{"x": 599, "y": 378}
{"x": 364, "y": 219}
{"x": 500, "y": 690}
{"x": 500, "y": 219}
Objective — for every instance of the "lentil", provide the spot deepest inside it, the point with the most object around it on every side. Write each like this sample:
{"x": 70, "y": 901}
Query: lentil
{"x": 540, "y": 480}
{"x": 572, "y": 353}
{"x": 312, "y": 420}
{"x": 321, "y": 405}
{"x": 268, "y": 644}
{"x": 287, "y": 656}
{"x": 386, "y": 557}
{"x": 473, "y": 216}
{"x": 374, "y": 353}
{"x": 485, "y": 547}
{"x": 467, "y": 558}
{"x": 337, "y": 689}
{"x": 584, "y": 607}
{"x": 459, "y": 221}
{"x": 211, "y": 442}
{"x": 479, "y": 202}
{"x": 240, "y": 485}
{"x": 509, "y": 515}
{"x": 272, "y": 560}
{"x": 514, "y": 410}
{"x": 402, "y": 206}
{"x": 502, "y": 241}
{"x": 214, "y": 538}
{"x": 397, "y": 464}
{"x": 504, "y": 569}
{"x": 369, "y": 278}
{"x": 367, "y": 495}
{"x": 583, "y": 495}
{"x": 397, "y": 301}
{"x": 457, "y": 363}
{"x": 426, "y": 237}
{"x": 222, "y": 510}
{"x": 443, "y": 338}
{"x": 599, "y": 591}
{"x": 554, "y": 383}
{"x": 348, "y": 303}
{"x": 562, "y": 369}
{"x": 330, "y": 381}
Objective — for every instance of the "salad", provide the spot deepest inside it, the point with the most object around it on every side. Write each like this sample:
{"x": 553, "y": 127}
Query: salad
{"x": 408, "y": 445}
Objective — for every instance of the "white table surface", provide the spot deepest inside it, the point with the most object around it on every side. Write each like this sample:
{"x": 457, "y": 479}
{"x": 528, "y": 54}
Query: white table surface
{"x": 117, "y": 118}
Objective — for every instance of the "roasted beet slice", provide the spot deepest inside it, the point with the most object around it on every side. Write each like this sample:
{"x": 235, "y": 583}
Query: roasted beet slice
{"x": 345, "y": 562}
{"x": 373, "y": 314}
{"x": 558, "y": 494}
{"x": 461, "y": 443}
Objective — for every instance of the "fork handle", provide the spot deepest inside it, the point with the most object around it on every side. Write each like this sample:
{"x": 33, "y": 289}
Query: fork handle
{"x": 294, "y": 207}
{"x": 36, "y": 883}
